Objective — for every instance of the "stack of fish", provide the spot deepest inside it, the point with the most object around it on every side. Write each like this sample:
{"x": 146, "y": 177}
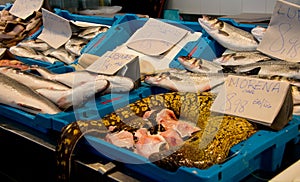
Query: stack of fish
{"x": 30, "y": 92}
{"x": 68, "y": 53}
{"x": 240, "y": 58}
{"x": 14, "y": 29}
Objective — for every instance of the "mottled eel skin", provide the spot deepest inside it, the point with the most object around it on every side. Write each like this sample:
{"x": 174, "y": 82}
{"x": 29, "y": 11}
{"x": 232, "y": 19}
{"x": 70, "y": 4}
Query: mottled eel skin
{"x": 201, "y": 150}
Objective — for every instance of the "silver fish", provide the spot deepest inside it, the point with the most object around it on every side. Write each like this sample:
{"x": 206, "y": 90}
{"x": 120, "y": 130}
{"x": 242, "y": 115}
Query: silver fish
{"x": 241, "y": 58}
{"x": 177, "y": 80}
{"x": 198, "y": 65}
{"x": 271, "y": 67}
{"x": 91, "y": 32}
{"x": 74, "y": 45}
{"x": 77, "y": 78}
{"x": 227, "y": 35}
{"x": 31, "y": 80}
{"x": 18, "y": 95}
{"x": 258, "y": 32}
{"x": 62, "y": 55}
{"x": 75, "y": 97}
{"x": 37, "y": 44}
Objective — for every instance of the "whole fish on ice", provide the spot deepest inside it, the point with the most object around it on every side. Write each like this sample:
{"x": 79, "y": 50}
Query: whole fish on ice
{"x": 227, "y": 35}
{"x": 18, "y": 95}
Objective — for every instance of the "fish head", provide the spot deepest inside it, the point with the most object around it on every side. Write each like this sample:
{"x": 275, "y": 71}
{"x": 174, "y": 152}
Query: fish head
{"x": 210, "y": 23}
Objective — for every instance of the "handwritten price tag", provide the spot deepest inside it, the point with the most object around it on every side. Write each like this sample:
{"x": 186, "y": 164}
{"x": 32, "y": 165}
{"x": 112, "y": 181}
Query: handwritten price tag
{"x": 111, "y": 62}
{"x": 24, "y": 8}
{"x": 57, "y": 30}
{"x": 259, "y": 100}
{"x": 282, "y": 38}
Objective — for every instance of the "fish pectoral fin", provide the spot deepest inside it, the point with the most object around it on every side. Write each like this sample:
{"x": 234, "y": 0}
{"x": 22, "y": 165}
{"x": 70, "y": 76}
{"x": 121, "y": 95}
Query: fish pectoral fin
{"x": 29, "y": 107}
{"x": 223, "y": 33}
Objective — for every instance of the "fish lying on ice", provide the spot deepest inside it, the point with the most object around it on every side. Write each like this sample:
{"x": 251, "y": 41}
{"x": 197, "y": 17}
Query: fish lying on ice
{"x": 18, "y": 95}
{"x": 241, "y": 58}
{"x": 76, "y": 78}
{"x": 75, "y": 97}
{"x": 31, "y": 80}
{"x": 198, "y": 65}
{"x": 227, "y": 35}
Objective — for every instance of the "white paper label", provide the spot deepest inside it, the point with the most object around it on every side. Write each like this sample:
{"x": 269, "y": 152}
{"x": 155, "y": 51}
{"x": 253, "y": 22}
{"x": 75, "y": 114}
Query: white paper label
{"x": 155, "y": 37}
{"x": 56, "y": 31}
{"x": 282, "y": 38}
{"x": 25, "y": 8}
{"x": 259, "y": 100}
{"x": 110, "y": 63}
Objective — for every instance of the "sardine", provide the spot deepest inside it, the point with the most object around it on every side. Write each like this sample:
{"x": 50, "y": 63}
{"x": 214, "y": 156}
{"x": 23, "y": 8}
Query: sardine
{"x": 241, "y": 58}
{"x": 227, "y": 35}
{"x": 75, "y": 97}
{"x": 31, "y": 80}
{"x": 186, "y": 82}
{"x": 18, "y": 95}
{"x": 198, "y": 65}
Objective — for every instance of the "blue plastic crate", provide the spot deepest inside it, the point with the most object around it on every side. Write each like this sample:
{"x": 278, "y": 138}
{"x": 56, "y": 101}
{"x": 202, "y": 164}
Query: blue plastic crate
{"x": 263, "y": 151}
{"x": 126, "y": 26}
{"x": 69, "y": 16}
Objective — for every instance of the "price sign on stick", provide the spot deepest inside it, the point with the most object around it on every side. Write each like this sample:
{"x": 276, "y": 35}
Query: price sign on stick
{"x": 268, "y": 102}
{"x": 282, "y": 38}
{"x": 24, "y": 8}
{"x": 56, "y": 31}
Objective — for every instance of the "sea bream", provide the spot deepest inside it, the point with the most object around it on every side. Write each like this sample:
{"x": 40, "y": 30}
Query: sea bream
{"x": 227, "y": 35}
{"x": 18, "y": 95}
{"x": 198, "y": 65}
{"x": 241, "y": 58}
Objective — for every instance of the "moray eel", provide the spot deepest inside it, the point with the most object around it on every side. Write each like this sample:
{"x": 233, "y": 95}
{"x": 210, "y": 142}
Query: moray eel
{"x": 193, "y": 107}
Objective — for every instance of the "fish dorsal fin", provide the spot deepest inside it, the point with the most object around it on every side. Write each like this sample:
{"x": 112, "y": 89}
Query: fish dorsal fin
{"x": 223, "y": 33}
{"x": 29, "y": 107}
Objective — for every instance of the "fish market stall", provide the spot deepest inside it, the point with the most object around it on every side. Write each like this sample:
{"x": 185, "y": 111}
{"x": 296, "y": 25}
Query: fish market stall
{"x": 147, "y": 99}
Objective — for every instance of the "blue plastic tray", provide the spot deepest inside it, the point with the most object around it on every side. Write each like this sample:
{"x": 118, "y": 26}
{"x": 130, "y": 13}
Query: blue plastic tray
{"x": 126, "y": 25}
{"x": 69, "y": 16}
{"x": 263, "y": 151}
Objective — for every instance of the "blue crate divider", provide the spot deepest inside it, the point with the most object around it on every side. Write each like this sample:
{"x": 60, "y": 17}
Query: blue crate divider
{"x": 262, "y": 151}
